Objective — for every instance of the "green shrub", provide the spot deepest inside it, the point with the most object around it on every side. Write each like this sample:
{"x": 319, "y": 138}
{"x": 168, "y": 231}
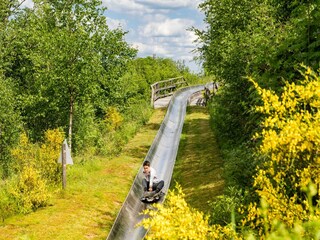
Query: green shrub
{"x": 239, "y": 166}
{"x": 7, "y": 203}
{"x": 139, "y": 112}
{"x": 225, "y": 206}
{"x": 87, "y": 131}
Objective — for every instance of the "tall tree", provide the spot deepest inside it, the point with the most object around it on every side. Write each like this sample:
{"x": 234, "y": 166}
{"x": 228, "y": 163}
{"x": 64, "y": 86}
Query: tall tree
{"x": 62, "y": 60}
{"x": 265, "y": 38}
{"x": 227, "y": 52}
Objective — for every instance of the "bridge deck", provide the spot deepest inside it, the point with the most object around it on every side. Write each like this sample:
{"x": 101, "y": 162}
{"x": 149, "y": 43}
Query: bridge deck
{"x": 164, "y": 102}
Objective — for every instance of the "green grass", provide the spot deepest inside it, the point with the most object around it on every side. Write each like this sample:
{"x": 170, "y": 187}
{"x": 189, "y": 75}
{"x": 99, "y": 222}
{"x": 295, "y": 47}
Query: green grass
{"x": 198, "y": 167}
{"x": 95, "y": 191}
{"x": 97, "y": 186}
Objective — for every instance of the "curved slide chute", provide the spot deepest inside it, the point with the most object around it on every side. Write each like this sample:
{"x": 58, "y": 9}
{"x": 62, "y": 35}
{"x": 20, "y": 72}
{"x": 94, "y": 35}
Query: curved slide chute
{"x": 162, "y": 155}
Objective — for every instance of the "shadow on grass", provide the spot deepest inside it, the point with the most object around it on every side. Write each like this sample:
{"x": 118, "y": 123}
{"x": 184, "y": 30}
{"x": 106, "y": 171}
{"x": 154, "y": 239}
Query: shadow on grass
{"x": 199, "y": 165}
{"x": 152, "y": 126}
{"x": 138, "y": 152}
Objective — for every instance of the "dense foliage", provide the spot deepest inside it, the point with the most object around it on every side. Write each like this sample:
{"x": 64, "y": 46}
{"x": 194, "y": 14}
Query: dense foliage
{"x": 36, "y": 170}
{"x": 63, "y": 68}
{"x": 58, "y": 69}
{"x": 289, "y": 175}
{"x": 267, "y": 39}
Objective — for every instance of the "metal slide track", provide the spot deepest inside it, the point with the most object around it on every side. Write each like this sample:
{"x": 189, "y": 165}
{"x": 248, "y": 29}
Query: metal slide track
{"x": 162, "y": 155}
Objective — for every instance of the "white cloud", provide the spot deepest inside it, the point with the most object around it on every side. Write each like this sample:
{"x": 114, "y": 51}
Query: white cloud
{"x": 168, "y": 4}
{"x": 174, "y": 51}
{"x": 141, "y": 7}
{"x": 173, "y": 47}
{"x": 148, "y": 49}
{"x": 116, "y": 23}
{"x": 128, "y": 6}
{"x": 156, "y": 17}
{"x": 167, "y": 28}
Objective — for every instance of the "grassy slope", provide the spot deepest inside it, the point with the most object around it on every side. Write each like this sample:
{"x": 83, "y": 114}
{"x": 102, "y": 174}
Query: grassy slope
{"x": 198, "y": 167}
{"x": 96, "y": 190}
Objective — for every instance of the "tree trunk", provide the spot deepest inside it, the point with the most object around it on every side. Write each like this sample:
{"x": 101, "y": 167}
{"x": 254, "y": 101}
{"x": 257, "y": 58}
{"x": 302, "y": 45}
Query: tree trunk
{"x": 70, "y": 122}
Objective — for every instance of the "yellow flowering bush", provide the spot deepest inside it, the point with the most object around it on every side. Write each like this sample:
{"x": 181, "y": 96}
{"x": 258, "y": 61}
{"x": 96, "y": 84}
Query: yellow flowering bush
{"x": 36, "y": 167}
{"x": 43, "y": 158}
{"x": 113, "y": 118}
{"x": 49, "y": 154}
{"x": 24, "y": 154}
{"x": 175, "y": 220}
{"x": 290, "y": 142}
{"x": 30, "y": 191}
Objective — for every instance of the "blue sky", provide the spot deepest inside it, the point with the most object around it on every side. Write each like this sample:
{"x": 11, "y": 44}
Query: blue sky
{"x": 157, "y": 26}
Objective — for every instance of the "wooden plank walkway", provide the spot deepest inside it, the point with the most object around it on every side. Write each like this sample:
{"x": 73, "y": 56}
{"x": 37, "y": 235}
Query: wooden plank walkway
{"x": 164, "y": 102}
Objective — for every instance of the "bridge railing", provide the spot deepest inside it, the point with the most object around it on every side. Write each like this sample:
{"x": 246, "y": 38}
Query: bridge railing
{"x": 166, "y": 88}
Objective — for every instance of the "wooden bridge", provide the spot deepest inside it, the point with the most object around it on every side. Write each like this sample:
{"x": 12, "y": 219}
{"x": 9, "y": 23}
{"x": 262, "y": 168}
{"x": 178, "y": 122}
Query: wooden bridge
{"x": 165, "y": 88}
{"x": 198, "y": 99}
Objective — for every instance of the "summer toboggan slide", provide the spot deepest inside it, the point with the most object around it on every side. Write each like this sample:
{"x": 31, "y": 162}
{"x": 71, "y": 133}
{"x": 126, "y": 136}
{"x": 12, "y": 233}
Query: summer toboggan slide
{"x": 162, "y": 155}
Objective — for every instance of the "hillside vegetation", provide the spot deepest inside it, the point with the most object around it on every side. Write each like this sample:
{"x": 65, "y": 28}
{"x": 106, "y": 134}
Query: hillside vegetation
{"x": 64, "y": 74}
{"x": 96, "y": 189}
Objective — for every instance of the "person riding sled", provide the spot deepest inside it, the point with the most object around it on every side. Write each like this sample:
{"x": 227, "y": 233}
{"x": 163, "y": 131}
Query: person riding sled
{"x": 150, "y": 183}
